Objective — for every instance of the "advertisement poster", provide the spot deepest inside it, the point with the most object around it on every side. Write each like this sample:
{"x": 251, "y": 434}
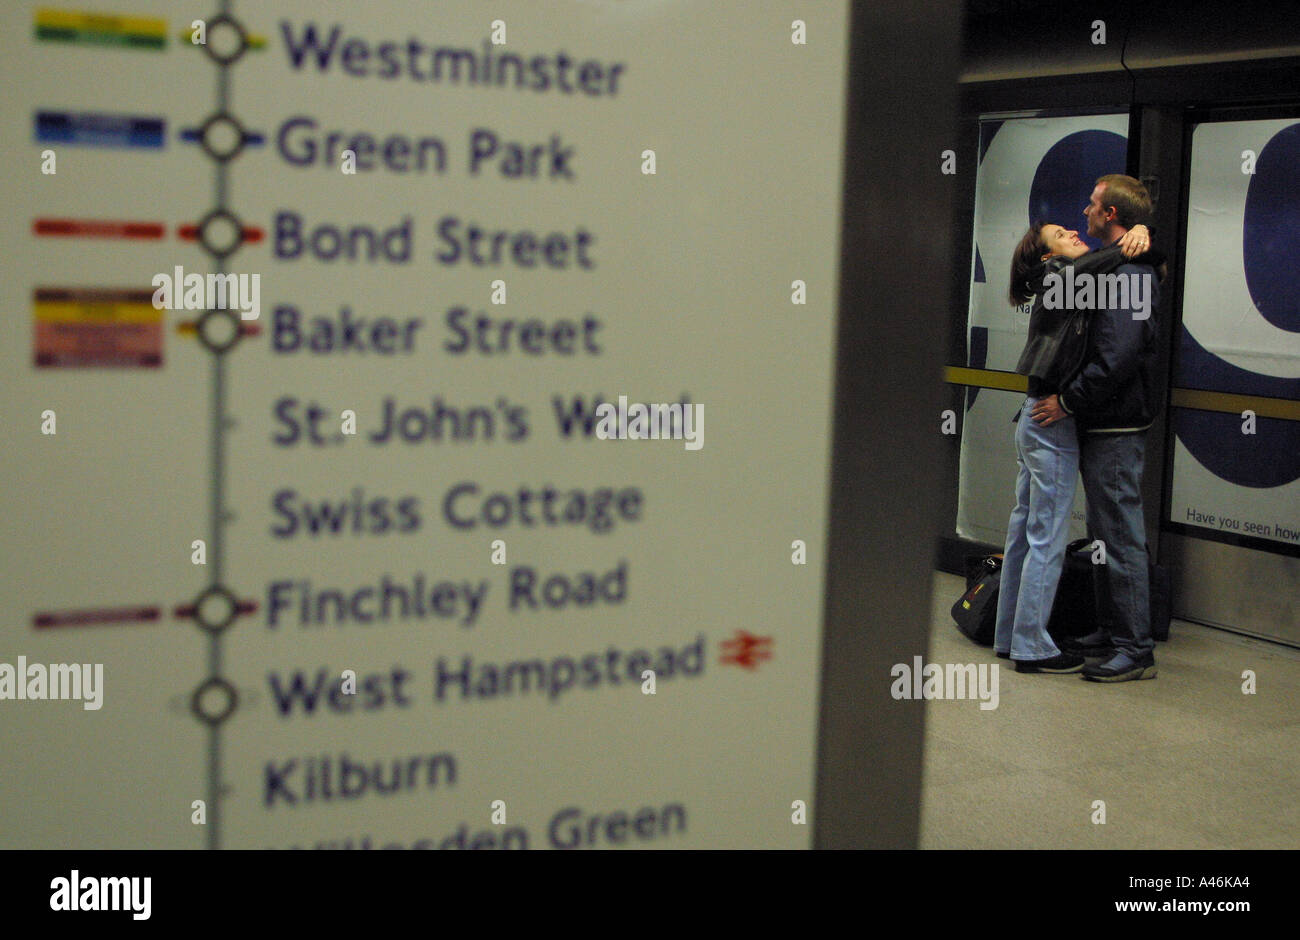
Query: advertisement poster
{"x": 1237, "y": 474}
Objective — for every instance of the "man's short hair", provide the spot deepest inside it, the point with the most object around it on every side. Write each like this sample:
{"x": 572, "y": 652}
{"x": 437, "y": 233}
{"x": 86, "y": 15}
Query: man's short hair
{"x": 1130, "y": 198}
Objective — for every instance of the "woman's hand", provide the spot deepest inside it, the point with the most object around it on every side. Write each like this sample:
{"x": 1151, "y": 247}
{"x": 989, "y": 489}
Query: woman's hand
{"x": 1135, "y": 241}
{"x": 1048, "y": 410}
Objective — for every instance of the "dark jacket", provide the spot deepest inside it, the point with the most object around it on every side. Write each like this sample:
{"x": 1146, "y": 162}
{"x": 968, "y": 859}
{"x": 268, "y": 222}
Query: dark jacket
{"x": 1057, "y": 338}
{"x": 1057, "y": 343}
{"x": 1115, "y": 392}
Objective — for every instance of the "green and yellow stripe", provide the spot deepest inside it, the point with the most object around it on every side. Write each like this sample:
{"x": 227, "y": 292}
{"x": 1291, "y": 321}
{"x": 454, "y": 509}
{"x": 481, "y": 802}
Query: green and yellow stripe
{"x": 101, "y": 29}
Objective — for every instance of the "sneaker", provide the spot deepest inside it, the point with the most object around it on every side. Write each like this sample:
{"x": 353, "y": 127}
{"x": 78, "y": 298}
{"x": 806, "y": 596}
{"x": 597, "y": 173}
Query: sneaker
{"x": 1122, "y": 668}
{"x": 1060, "y": 664}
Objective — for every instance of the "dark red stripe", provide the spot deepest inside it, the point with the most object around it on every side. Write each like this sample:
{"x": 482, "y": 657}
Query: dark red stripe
{"x": 98, "y": 228}
{"x": 80, "y": 618}
{"x": 92, "y": 295}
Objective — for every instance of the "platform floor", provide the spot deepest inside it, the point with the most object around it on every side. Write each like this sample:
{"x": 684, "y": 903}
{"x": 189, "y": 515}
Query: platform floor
{"x": 1183, "y": 761}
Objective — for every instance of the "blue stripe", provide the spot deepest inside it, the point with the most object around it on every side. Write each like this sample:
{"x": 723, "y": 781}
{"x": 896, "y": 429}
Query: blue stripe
{"x": 91, "y": 129}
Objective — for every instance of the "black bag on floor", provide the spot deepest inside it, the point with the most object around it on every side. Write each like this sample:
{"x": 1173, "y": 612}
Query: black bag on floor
{"x": 1074, "y": 612}
{"x": 976, "y": 611}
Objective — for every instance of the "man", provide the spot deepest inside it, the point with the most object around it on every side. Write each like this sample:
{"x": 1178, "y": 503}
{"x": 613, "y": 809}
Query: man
{"x": 1114, "y": 401}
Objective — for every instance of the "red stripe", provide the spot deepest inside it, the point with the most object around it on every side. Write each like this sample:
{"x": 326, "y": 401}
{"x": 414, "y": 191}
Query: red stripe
{"x": 77, "y": 618}
{"x": 98, "y": 228}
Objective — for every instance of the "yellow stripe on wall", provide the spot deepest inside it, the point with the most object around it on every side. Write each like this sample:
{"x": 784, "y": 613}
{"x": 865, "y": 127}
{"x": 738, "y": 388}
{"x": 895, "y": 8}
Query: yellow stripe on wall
{"x": 986, "y": 378}
{"x": 1178, "y": 397}
{"x": 1235, "y": 404}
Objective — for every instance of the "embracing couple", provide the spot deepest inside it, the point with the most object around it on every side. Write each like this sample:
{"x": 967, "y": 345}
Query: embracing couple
{"x": 1090, "y": 359}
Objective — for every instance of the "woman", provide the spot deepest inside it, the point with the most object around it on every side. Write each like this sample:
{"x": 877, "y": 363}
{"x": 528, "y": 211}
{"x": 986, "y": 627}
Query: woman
{"x": 1048, "y": 455}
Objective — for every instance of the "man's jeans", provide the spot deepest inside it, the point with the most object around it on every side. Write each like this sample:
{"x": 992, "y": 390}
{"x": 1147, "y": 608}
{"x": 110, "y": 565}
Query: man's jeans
{"x": 1036, "y": 535}
{"x": 1111, "y": 465}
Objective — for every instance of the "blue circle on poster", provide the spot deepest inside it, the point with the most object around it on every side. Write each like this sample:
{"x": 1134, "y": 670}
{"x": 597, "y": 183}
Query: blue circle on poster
{"x": 1267, "y": 457}
{"x": 1067, "y": 174}
{"x": 1270, "y": 231}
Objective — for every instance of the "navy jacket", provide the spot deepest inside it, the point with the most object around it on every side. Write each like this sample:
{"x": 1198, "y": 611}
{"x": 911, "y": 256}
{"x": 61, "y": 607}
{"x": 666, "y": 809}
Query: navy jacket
{"x": 1056, "y": 346}
{"x": 1115, "y": 391}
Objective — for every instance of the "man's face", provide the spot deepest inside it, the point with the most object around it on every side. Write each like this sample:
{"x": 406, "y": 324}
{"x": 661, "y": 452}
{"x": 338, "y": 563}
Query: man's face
{"x": 1096, "y": 213}
{"x": 1062, "y": 241}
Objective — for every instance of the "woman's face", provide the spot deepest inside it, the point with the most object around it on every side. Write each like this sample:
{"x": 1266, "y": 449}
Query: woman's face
{"x": 1061, "y": 241}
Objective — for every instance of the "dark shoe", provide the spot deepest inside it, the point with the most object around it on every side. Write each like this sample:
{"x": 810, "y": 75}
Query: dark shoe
{"x": 1063, "y": 663}
{"x": 1096, "y": 643}
{"x": 1122, "y": 668}
{"x": 1001, "y": 655}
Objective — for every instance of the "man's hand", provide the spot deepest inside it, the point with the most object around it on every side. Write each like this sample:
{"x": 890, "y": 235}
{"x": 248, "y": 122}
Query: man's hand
{"x": 1135, "y": 241}
{"x": 1049, "y": 410}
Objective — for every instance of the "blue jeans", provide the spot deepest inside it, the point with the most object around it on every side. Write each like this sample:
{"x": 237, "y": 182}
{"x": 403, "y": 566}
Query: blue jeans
{"x": 1112, "y": 483}
{"x": 1036, "y": 535}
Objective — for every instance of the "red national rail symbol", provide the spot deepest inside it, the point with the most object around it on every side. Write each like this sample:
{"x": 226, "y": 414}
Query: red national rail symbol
{"x": 746, "y": 650}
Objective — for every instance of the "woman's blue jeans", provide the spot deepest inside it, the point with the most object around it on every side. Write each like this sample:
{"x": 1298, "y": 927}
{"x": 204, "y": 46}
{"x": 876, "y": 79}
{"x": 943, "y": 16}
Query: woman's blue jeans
{"x": 1036, "y": 535}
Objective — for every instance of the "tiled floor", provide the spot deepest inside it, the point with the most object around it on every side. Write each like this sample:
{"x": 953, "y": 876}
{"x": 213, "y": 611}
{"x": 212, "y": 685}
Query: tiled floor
{"x": 1183, "y": 761}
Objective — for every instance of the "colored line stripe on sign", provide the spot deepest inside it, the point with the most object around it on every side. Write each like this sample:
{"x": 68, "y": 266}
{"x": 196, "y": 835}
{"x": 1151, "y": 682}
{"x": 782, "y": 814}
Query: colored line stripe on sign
{"x": 91, "y": 129}
{"x": 98, "y": 228}
{"x": 84, "y": 618}
{"x": 89, "y": 327}
{"x": 101, "y": 29}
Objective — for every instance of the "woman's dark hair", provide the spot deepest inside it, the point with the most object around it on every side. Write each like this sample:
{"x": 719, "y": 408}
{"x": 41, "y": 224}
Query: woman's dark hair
{"x": 1023, "y": 260}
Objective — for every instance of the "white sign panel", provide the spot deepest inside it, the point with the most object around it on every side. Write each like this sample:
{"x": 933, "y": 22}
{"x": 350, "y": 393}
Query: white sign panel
{"x": 484, "y": 503}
